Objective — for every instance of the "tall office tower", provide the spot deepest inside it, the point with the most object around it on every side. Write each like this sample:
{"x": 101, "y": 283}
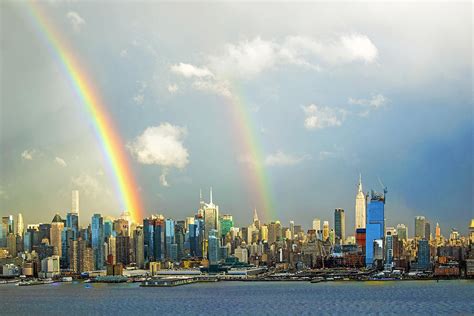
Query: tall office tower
{"x": 427, "y": 231}
{"x": 55, "y": 239}
{"x": 148, "y": 238}
{"x": 375, "y": 228}
{"x": 226, "y": 223}
{"x": 122, "y": 247}
{"x": 389, "y": 243}
{"x": 11, "y": 245}
{"x": 179, "y": 238}
{"x": 274, "y": 232}
{"x": 437, "y": 232}
{"x": 75, "y": 202}
{"x": 292, "y": 229}
{"x": 159, "y": 239}
{"x": 72, "y": 222}
{"x": 264, "y": 233}
{"x": 169, "y": 235}
{"x": 420, "y": 227}
{"x": 193, "y": 234}
{"x": 3, "y": 231}
{"x": 108, "y": 227}
{"x": 332, "y": 236}
{"x": 325, "y": 230}
{"x": 97, "y": 230}
{"x": 213, "y": 248}
{"x": 121, "y": 227}
{"x": 402, "y": 232}
{"x": 360, "y": 206}
{"x": 189, "y": 220}
{"x": 138, "y": 247}
{"x": 340, "y": 224}
{"x": 66, "y": 236}
{"x": 74, "y": 262}
{"x": 111, "y": 249}
{"x": 86, "y": 257}
{"x": 20, "y": 226}
{"x": 471, "y": 232}
{"x": 211, "y": 216}
{"x": 423, "y": 255}
{"x": 256, "y": 221}
{"x": 316, "y": 224}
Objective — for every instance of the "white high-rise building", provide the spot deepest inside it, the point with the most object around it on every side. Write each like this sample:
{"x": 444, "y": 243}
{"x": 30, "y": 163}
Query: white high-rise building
{"x": 211, "y": 216}
{"x": 75, "y": 202}
{"x": 20, "y": 228}
{"x": 360, "y": 206}
{"x": 317, "y": 224}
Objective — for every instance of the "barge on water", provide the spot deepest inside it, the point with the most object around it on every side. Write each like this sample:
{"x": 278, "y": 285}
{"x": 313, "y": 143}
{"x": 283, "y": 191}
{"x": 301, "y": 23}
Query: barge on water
{"x": 167, "y": 282}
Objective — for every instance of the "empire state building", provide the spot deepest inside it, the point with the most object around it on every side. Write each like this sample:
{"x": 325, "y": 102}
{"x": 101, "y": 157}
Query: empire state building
{"x": 360, "y": 206}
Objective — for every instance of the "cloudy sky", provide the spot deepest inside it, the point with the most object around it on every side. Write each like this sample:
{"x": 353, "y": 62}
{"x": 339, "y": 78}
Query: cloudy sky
{"x": 331, "y": 90}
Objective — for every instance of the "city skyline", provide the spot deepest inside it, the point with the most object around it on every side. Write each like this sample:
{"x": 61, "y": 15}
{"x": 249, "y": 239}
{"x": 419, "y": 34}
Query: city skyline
{"x": 278, "y": 116}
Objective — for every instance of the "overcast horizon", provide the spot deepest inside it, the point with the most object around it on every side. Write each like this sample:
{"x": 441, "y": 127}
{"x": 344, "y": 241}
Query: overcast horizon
{"x": 331, "y": 90}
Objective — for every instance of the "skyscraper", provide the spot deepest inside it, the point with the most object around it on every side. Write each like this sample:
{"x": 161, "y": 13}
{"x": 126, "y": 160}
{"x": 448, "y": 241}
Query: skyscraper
{"x": 226, "y": 223}
{"x": 340, "y": 224}
{"x": 402, "y": 232}
{"x": 360, "y": 206}
{"x": 211, "y": 216}
{"x": 170, "y": 234}
{"x": 213, "y": 248}
{"x": 437, "y": 232}
{"x": 420, "y": 227}
{"x": 427, "y": 230}
{"x": 55, "y": 238}
{"x": 375, "y": 228}
{"x": 75, "y": 202}
{"x": 317, "y": 224}
{"x": 138, "y": 246}
{"x": 325, "y": 230}
{"x": 72, "y": 222}
{"x": 97, "y": 227}
{"x": 20, "y": 228}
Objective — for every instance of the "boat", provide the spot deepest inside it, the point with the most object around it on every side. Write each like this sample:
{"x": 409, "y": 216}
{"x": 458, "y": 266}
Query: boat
{"x": 67, "y": 279}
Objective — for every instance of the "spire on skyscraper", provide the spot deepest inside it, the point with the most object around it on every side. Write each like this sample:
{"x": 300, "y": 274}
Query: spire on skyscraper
{"x": 360, "y": 183}
{"x": 210, "y": 196}
{"x": 255, "y": 215}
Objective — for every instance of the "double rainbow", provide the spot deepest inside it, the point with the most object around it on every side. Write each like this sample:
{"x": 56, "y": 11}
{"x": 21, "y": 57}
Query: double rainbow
{"x": 111, "y": 143}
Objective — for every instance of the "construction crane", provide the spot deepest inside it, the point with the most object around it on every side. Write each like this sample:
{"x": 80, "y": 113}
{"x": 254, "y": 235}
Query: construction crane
{"x": 384, "y": 187}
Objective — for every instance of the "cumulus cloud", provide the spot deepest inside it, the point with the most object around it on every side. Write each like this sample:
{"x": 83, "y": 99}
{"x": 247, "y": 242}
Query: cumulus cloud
{"x": 283, "y": 159}
{"x": 173, "y": 88}
{"x": 161, "y": 145}
{"x": 76, "y": 20}
{"x": 248, "y": 58}
{"x": 375, "y": 102}
{"x": 215, "y": 87}
{"x": 28, "y": 154}
{"x": 60, "y": 162}
{"x": 188, "y": 70}
{"x": 163, "y": 180}
{"x": 139, "y": 98}
{"x": 318, "y": 117}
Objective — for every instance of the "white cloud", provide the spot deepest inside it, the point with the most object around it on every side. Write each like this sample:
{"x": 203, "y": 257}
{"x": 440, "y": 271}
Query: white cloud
{"x": 28, "y": 154}
{"x": 336, "y": 152}
{"x": 161, "y": 145}
{"x": 375, "y": 102}
{"x": 215, "y": 87}
{"x": 60, "y": 162}
{"x": 123, "y": 53}
{"x": 87, "y": 185}
{"x": 173, "y": 88}
{"x": 163, "y": 180}
{"x": 139, "y": 98}
{"x": 188, "y": 71}
{"x": 76, "y": 20}
{"x": 283, "y": 159}
{"x": 318, "y": 117}
{"x": 245, "y": 59}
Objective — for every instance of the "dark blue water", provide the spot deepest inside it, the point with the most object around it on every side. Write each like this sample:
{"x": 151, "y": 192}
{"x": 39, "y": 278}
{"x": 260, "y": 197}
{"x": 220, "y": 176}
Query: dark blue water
{"x": 257, "y": 298}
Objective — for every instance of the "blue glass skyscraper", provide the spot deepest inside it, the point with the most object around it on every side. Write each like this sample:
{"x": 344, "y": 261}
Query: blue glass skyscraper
{"x": 148, "y": 237}
{"x": 72, "y": 222}
{"x": 375, "y": 226}
{"x": 169, "y": 231}
{"x": 97, "y": 228}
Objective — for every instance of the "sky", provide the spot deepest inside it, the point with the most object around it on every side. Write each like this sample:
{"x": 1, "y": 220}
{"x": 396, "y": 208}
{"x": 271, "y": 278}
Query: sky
{"x": 320, "y": 91}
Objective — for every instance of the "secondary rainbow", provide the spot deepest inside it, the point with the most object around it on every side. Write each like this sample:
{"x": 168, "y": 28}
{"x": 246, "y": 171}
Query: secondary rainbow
{"x": 111, "y": 143}
{"x": 247, "y": 136}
